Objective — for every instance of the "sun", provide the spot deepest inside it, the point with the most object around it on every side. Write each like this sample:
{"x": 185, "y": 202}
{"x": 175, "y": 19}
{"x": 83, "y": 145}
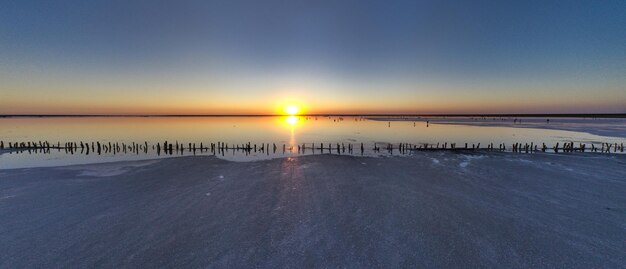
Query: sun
{"x": 292, "y": 110}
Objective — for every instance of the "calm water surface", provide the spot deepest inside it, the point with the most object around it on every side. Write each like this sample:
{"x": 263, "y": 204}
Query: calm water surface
{"x": 291, "y": 131}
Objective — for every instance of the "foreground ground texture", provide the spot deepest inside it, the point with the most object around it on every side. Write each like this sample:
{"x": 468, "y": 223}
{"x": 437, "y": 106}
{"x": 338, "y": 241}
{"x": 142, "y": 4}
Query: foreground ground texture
{"x": 427, "y": 210}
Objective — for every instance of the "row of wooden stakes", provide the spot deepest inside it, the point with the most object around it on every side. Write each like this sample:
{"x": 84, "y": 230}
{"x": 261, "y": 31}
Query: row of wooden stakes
{"x": 248, "y": 148}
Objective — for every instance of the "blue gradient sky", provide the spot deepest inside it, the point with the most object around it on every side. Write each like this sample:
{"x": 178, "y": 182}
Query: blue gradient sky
{"x": 188, "y": 57}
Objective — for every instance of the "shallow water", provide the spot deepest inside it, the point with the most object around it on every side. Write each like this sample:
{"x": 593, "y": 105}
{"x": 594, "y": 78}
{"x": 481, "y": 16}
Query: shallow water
{"x": 288, "y": 131}
{"x": 615, "y": 127}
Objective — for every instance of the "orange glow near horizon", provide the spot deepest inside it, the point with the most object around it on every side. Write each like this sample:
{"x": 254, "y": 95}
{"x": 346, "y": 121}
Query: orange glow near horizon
{"x": 277, "y": 105}
{"x": 288, "y": 106}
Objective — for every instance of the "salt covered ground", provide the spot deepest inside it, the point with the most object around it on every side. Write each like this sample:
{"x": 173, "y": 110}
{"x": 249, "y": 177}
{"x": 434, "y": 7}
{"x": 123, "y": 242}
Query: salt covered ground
{"x": 432, "y": 209}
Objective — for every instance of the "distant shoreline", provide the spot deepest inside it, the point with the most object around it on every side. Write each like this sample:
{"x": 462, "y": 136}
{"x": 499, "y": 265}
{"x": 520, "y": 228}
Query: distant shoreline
{"x": 591, "y": 115}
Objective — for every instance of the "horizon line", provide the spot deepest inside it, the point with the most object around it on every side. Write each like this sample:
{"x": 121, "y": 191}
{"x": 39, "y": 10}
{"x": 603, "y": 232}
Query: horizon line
{"x": 556, "y": 115}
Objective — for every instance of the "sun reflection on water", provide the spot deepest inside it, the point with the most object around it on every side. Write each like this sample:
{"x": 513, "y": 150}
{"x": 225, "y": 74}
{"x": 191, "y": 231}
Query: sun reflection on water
{"x": 292, "y": 120}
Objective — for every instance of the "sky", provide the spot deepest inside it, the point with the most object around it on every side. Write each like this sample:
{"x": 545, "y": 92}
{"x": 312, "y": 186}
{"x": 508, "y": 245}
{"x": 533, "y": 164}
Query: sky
{"x": 362, "y": 56}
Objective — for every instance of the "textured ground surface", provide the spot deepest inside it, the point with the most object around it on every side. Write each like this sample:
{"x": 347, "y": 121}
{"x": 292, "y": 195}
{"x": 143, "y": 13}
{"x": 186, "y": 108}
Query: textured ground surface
{"x": 428, "y": 210}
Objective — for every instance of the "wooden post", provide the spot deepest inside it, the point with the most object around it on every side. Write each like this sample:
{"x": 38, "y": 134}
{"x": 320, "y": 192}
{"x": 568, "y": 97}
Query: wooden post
{"x": 526, "y": 147}
{"x": 556, "y": 147}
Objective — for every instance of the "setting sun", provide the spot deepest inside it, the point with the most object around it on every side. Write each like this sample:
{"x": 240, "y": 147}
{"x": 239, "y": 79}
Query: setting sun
{"x": 292, "y": 110}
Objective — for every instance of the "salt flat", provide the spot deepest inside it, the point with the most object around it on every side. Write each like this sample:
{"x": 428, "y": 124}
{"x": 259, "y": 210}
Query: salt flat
{"x": 432, "y": 209}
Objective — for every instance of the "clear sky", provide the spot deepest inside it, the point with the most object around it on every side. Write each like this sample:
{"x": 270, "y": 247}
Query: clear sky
{"x": 239, "y": 57}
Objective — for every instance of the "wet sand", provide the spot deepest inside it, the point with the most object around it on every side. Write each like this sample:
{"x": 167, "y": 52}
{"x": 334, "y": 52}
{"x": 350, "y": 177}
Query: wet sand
{"x": 433, "y": 209}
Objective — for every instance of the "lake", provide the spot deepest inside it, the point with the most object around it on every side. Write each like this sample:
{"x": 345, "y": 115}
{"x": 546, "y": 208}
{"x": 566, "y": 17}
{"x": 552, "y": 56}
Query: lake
{"x": 290, "y": 131}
